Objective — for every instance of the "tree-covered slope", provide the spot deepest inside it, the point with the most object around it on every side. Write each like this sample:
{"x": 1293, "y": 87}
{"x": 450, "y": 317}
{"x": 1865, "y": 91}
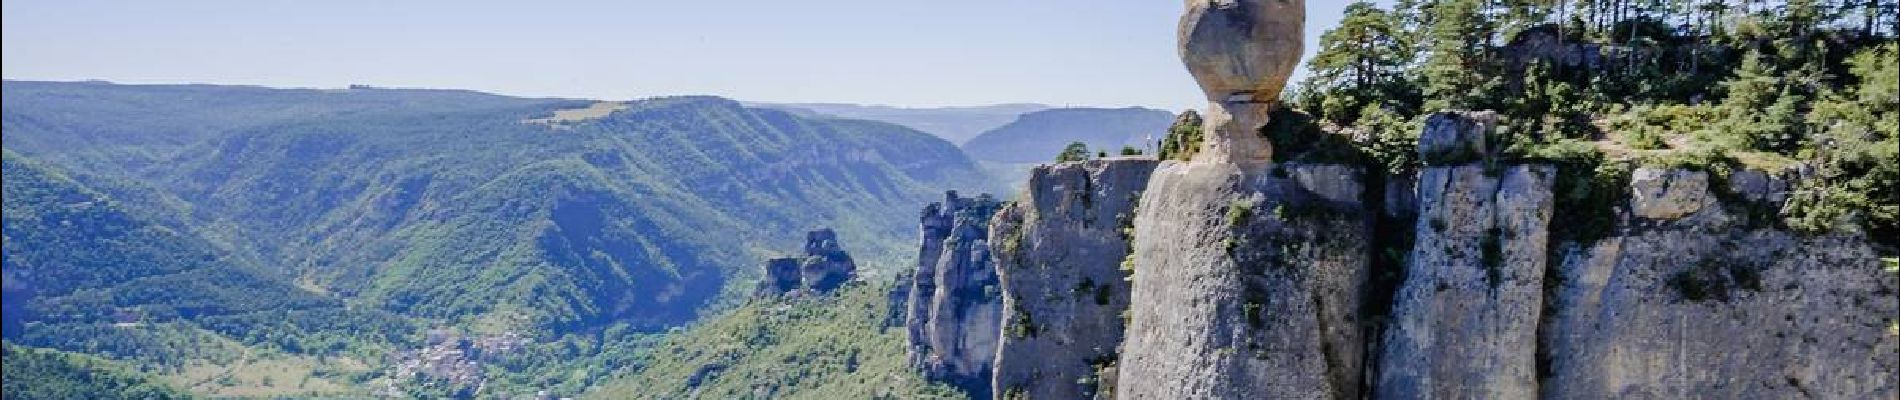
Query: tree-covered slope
{"x": 454, "y": 205}
{"x": 818, "y": 347}
{"x": 33, "y": 374}
{"x": 84, "y": 273}
{"x": 73, "y": 255}
{"x": 1038, "y": 136}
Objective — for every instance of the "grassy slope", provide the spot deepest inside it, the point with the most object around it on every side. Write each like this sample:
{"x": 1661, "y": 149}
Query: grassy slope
{"x": 826, "y": 347}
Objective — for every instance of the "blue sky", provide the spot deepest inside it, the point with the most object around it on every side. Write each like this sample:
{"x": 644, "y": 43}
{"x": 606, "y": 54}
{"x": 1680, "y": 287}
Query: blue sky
{"x": 903, "y": 52}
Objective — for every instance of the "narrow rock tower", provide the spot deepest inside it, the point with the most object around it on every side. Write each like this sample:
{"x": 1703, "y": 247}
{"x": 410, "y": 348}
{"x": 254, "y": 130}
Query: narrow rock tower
{"x": 1248, "y": 274}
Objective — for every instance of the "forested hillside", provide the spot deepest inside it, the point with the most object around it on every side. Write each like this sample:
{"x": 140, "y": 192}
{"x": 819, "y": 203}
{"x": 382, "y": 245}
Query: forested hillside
{"x": 1800, "y": 89}
{"x": 47, "y": 374}
{"x": 321, "y": 233}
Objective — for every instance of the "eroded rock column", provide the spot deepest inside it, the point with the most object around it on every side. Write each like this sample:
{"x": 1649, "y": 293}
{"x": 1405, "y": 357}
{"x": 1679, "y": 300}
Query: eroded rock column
{"x": 1060, "y": 251}
{"x": 1464, "y": 323}
{"x": 956, "y": 304}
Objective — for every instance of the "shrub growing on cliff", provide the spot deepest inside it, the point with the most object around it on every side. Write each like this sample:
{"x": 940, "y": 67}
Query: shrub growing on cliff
{"x": 1076, "y": 151}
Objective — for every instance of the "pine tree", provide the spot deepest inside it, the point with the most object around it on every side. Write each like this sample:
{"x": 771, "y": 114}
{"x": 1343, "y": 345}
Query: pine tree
{"x": 1360, "y": 63}
{"x": 1457, "y": 73}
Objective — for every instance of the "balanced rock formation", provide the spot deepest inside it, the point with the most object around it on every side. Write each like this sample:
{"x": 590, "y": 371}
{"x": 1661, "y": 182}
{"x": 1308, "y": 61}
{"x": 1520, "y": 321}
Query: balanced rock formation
{"x": 955, "y": 315}
{"x": 1060, "y": 252}
{"x": 1248, "y": 276}
{"x": 1693, "y": 298}
{"x": 1241, "y": 52}
{"x": 824, "y": 268}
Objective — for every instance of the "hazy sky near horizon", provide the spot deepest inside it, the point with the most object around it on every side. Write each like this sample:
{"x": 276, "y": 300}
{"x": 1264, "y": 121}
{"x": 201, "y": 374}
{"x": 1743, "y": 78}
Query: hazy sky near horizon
{"x": 904, "y": 53}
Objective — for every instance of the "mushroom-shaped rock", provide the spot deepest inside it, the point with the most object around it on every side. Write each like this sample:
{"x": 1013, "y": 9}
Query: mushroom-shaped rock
{"x": 1241, "y": 52}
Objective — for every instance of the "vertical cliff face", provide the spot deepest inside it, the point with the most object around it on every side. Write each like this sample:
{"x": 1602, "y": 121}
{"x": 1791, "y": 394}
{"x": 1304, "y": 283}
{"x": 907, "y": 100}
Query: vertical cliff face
{"x": 1247, "y": 283}
{"x": 955, "y": 301}
{"x": 1690, "y": 300}
{"x": 1060, "y": 251}
{"x": 1464, "y": 323}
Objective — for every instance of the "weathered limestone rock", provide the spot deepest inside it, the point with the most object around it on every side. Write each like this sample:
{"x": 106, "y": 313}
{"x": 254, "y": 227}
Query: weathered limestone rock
{"x": 1455, "y": 137}
{"x": 826, "y": 265}
{"x": 1668, "y": 193}
{"x": 1688, "y": 303}
{"x": 1247, "y": 284}
{"x": 1059, "y": 254}
{"x": 1241, "y": 52}
{"x": 1757, "y": 186}
{"x": 781, "y": 277}
{"x": 956, "y": 305}
{"x": 824, "y": 268}
{"x": 1464, "y": 323}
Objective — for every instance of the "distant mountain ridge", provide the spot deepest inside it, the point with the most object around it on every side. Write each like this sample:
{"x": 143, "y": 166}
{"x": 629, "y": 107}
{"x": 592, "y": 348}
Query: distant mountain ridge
{"x": 1038, "y": 136}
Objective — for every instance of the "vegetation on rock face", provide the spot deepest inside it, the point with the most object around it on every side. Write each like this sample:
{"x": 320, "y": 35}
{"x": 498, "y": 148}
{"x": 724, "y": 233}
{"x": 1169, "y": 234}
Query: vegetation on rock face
{"x": 1803, "y": 90}
{"x": 1183, "y": 138}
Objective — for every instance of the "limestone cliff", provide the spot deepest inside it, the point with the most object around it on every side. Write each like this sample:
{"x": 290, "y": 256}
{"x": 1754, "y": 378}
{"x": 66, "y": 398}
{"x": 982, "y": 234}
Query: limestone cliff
{"x": 1247, "y": 283}
{"x": 955, "y": 314}
{"x": 1465, "y": 320}
{"x": 1060, "y": 251}
{"x": 1694, "y": 298}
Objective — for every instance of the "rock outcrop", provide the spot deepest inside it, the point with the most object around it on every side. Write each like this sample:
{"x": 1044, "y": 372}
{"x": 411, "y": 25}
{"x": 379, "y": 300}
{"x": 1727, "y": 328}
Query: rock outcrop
{"x": 955, "y": 314}
{"x": 1247, "y": 284}
{"x": 1464, "y": 324}
{"x": 1691, "y": 300}
{"x": 824, "y": 268}
{"x": 1060, "y": 252}
{"x": 1465, "y": 320}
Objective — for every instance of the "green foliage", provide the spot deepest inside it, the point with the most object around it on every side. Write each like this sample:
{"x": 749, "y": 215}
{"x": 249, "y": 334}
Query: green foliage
{"x": 1697, "y": 84}
{"x": 1130, "y": 151}
{"x": 1857, "y": 178}
{"x": 49, "y": 374}
{"x": 1298, "y": 137}
{"x": 1239, "y": 212}
{"x": 812, "y": 347}
{"x": 1361, "y": 61}
{"x": 1589, "y": 186}
{"x": 1076, "y": 151}
{"x": 1184, "y": 137}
